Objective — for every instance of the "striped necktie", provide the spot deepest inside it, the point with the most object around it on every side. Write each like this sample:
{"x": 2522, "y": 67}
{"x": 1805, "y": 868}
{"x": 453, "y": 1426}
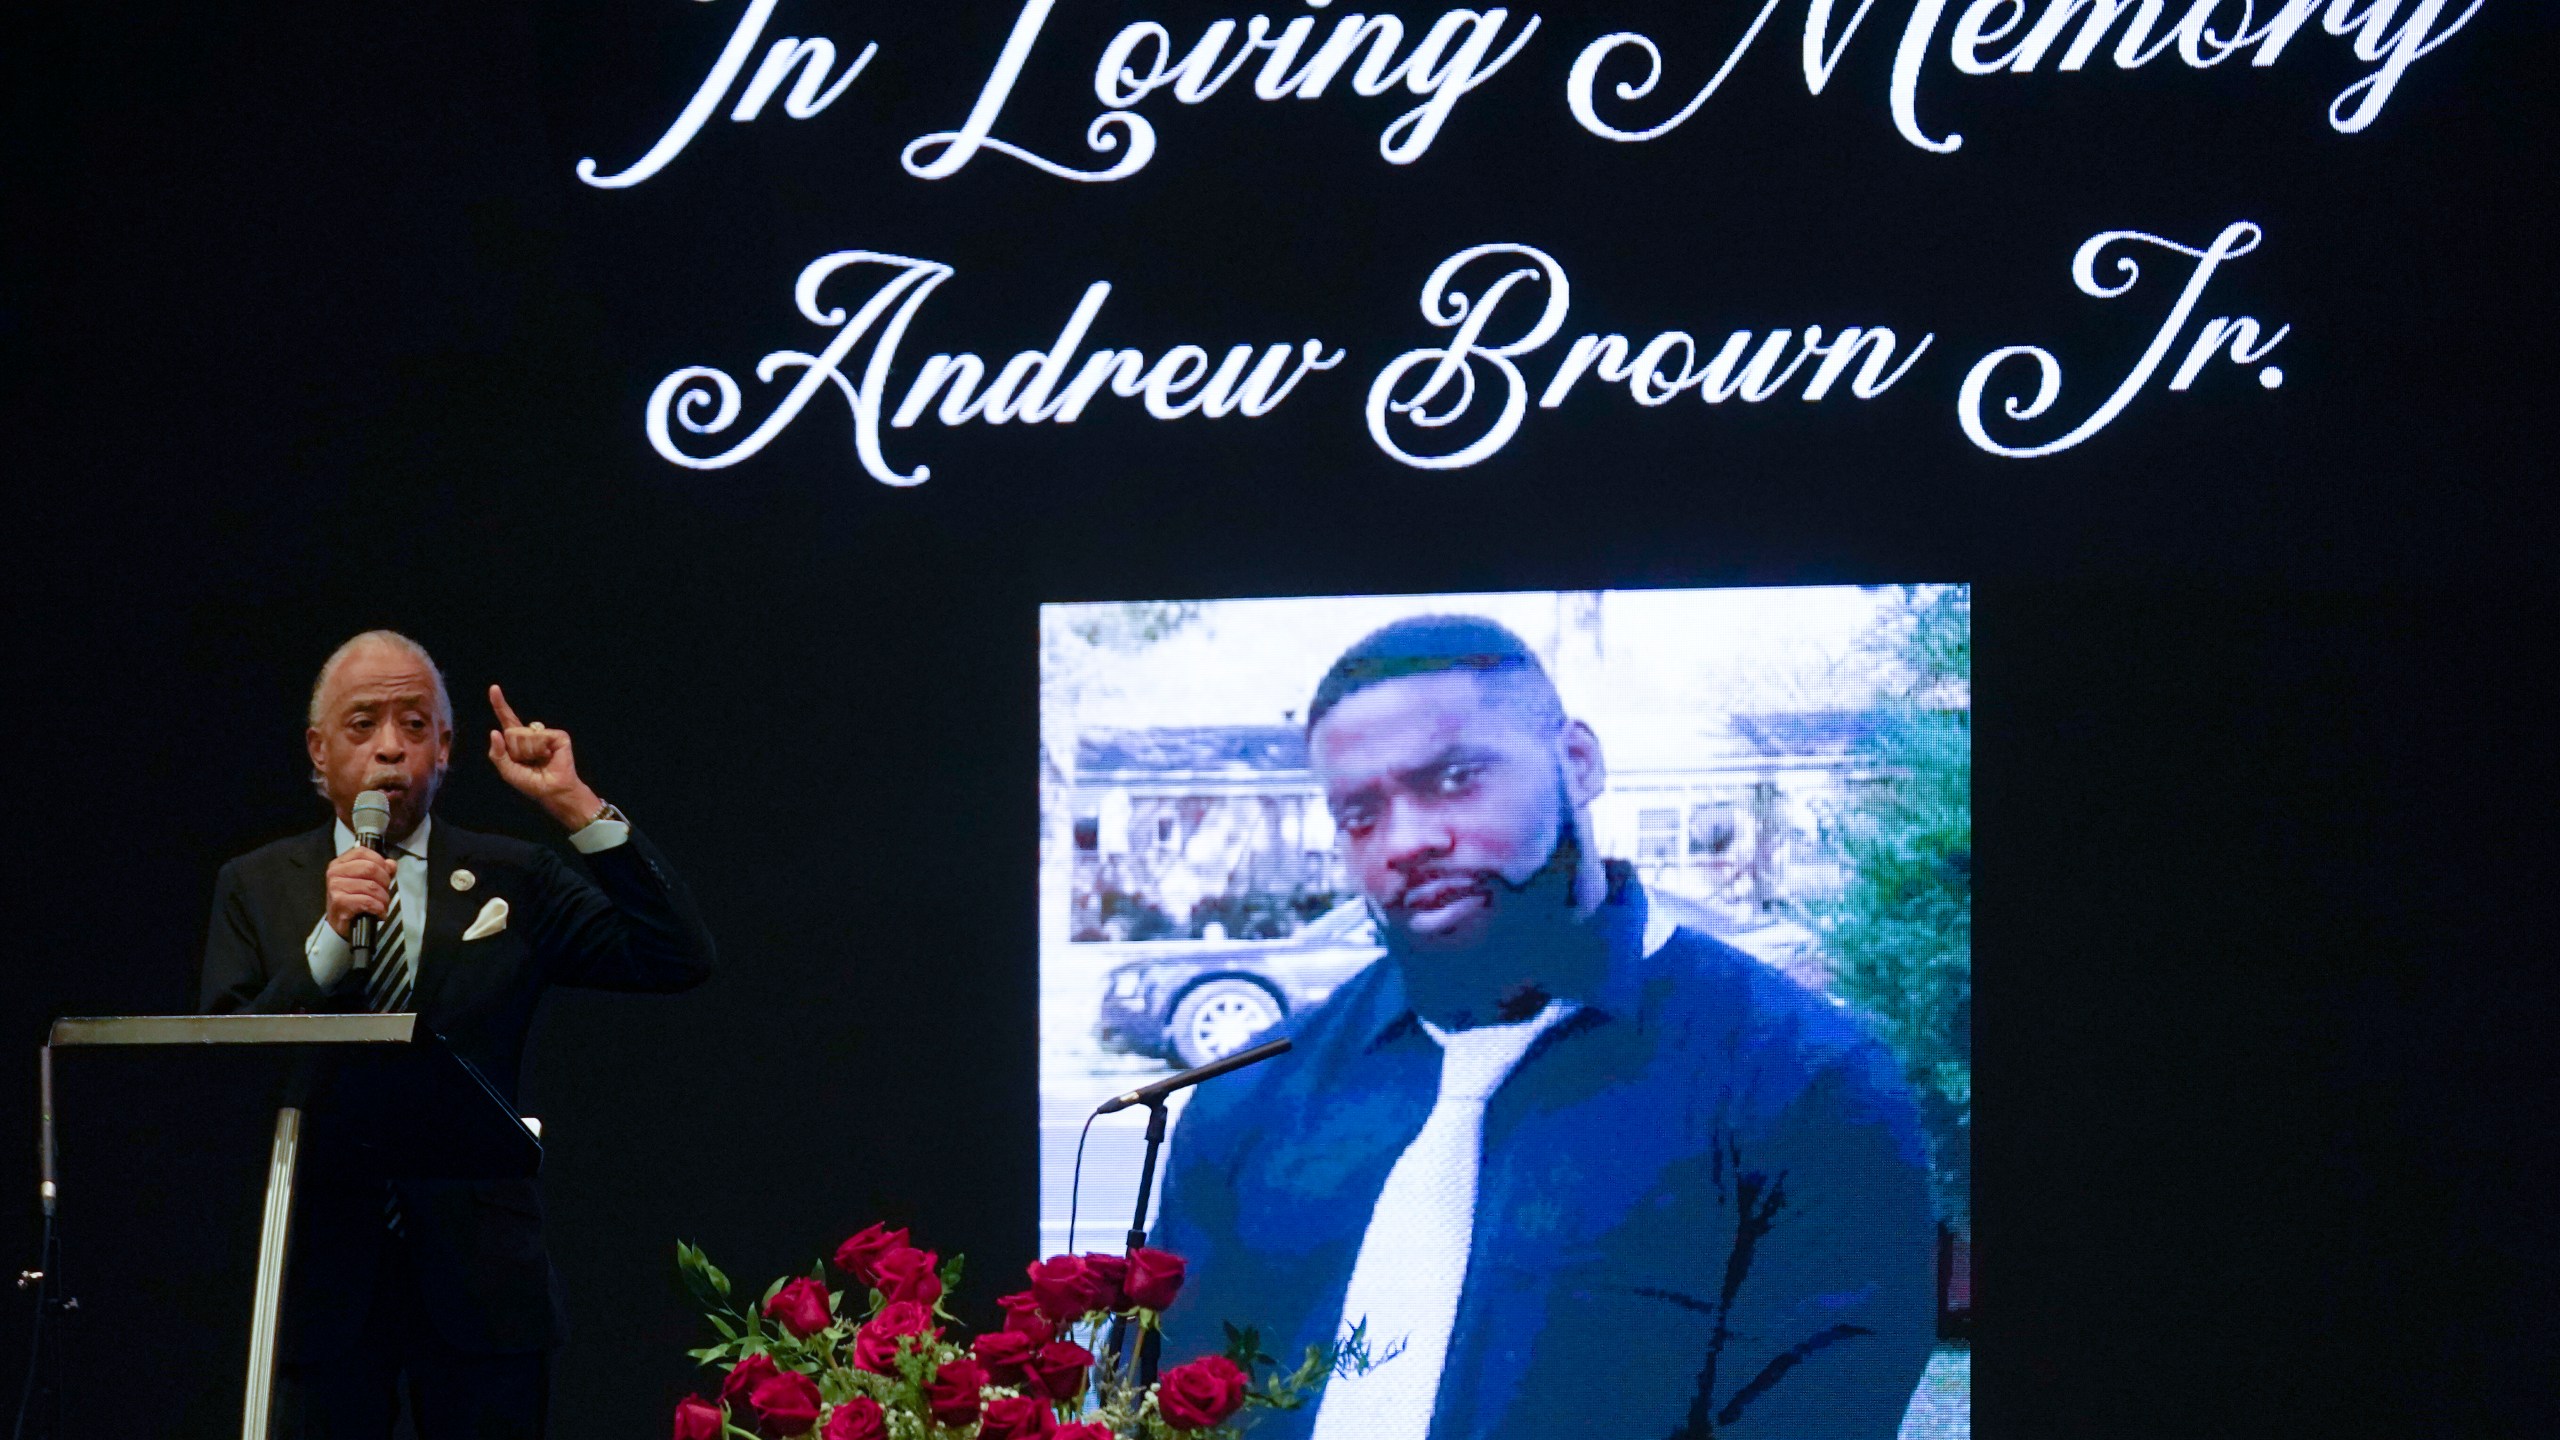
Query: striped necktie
{"x": 1413, "y": 1260}
{"x": 393, "y": 982}
{"x": 395, "y": 975}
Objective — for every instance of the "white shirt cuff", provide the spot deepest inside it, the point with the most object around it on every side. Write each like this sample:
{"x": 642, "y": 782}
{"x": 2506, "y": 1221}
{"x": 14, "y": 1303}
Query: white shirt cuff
{"x": 599, "y": 835}
{"x": 328, "y": 954}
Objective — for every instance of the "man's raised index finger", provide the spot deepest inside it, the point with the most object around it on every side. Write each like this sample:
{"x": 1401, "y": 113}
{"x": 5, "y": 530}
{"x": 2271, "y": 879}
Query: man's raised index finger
{"x": 506, "y": 712}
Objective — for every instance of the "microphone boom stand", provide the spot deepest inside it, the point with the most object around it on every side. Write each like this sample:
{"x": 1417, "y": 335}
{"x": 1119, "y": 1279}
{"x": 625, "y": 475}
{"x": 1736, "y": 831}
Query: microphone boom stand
{"x": 1153, "y": 1097}
{"x": 40, "y": 1397}
{"x": 1152, "y": 1343}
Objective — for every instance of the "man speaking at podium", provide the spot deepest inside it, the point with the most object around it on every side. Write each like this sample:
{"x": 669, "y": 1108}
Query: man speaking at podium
{"x": 442, "y": 1282}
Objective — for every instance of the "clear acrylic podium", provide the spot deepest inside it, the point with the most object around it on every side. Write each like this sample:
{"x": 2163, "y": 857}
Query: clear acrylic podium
{"x": 384, "y": 1092}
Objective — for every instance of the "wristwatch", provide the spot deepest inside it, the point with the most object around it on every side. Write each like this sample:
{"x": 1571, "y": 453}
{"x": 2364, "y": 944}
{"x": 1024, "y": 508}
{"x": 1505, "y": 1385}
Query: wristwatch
{"x": 611, "y": 812}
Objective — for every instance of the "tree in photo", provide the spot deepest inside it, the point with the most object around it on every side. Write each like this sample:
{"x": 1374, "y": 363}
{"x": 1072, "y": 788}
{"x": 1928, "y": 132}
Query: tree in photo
{"x": 1900, "y": 933}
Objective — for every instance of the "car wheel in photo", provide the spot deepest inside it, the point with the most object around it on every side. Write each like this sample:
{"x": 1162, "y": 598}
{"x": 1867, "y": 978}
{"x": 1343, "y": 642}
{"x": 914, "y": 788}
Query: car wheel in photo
{"x": 1218, "y": 1017}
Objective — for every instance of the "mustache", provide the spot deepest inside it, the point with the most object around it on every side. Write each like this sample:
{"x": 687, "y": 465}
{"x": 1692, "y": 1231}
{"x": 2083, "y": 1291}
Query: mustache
{"x": 401, "y": 783}
{"x": 1425, "y": 876}
{"x": 1492, "y": 883}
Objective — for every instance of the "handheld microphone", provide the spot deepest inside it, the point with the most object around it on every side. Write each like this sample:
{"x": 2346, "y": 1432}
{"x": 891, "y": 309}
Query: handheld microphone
{"x": 1151, "y": 1094}
{"x": 370, "y": 818}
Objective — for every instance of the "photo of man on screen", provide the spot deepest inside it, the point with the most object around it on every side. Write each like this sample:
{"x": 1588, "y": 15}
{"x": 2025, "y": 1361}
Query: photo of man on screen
{"x": 1574, "y": 1168}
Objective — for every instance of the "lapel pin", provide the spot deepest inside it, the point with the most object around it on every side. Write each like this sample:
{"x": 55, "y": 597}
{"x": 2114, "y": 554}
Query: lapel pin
{"x": 464, "y": 879}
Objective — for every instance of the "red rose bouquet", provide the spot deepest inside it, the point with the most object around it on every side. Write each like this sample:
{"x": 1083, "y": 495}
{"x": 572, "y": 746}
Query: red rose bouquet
{"x": 881, "y": 1357}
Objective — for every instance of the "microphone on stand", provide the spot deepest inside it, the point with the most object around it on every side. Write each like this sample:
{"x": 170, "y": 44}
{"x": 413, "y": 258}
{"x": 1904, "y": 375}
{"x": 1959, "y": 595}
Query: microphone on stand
{"x": 1151, "y": 1094}
{"x": 370, "y": 818}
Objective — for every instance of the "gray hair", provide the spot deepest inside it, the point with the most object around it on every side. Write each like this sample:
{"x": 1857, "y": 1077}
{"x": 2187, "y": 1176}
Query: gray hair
{"x": 395, "y": 640}
{"x": 337, "y": 657}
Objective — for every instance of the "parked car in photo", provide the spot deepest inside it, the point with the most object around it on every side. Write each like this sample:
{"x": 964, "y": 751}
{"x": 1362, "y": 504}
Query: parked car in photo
{"x": 1189, "y": 1002}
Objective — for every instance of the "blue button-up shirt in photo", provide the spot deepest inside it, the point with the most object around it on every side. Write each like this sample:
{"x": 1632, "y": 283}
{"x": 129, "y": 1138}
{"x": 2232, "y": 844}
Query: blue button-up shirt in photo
{"x": 1702, "y": 1210}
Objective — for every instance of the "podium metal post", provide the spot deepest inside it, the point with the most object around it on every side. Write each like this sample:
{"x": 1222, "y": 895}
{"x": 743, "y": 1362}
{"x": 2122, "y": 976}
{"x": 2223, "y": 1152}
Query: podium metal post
{"x": 265, "y": 1311}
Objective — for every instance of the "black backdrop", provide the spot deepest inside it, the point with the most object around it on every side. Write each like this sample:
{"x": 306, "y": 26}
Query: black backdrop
{"x": 313, "y": 330}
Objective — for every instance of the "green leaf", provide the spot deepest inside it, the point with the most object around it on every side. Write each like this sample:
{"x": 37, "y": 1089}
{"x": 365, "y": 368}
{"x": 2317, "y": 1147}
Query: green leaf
{"x": 694, "y": 1268}
{"x": 1244, "y": 1347}
{"x": 951, "y": 1270}
{"x": 727, "y": 1330}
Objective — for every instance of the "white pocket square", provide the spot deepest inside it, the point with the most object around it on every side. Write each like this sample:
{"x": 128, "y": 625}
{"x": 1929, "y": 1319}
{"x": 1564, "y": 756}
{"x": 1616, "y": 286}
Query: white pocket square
{"x": 493, "y": 918}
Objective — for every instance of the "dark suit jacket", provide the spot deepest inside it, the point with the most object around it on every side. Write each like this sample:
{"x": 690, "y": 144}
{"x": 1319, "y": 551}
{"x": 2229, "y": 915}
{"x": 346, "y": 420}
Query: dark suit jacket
{"x": 484, "y": 1274}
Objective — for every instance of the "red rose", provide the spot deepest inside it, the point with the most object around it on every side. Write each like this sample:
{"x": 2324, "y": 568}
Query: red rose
{"x": 786, "y": 1404}
{"x": 1059, "y": 1284}
{"x": 875, "y": 1345}
{"x": 1016, "y": 1417}
{"x": 1105, "y": 1273}
{"x": 743, "y": 1379}
{"x": 953, "y": 1395}
{"x": 857, "y": 1419}
{"x": 697, "y": 1419}
{"x": 903, "y": 1317}
{"x": 1083, "y": 1430}
{"x": 1022, "y": 1316}
{"x": 856, "y": 1256}
{"x": 1155, "y": 1277}
{"x": 800, "y": 1307}
{"x": 1200, "y": 1394}
{"x": 1059, "y": 1370}
{"x": 1003, "y": 1353}
{"x": 908, "y": 1274}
